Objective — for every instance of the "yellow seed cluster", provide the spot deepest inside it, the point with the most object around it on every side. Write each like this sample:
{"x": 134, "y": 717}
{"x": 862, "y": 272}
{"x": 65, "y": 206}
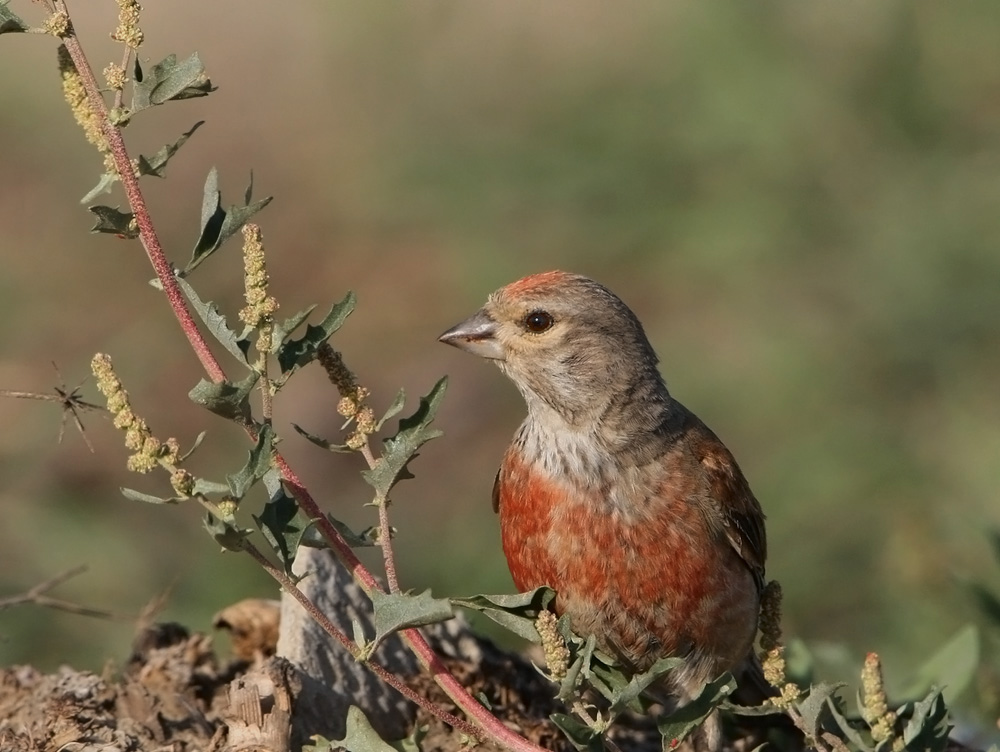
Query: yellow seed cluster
{"x": 128, "y": 31}
{"x": 147, "y": 450}
{"x": 115, "y": 77}
{"x": 553, "y": 645}
{"x": 182, "y": 482}
{"x": 76, "y": 96}
{"x": 57, "y": 24}
{"x": 260, "y": 306}
{"x": 876, "y": 708}
{"x": 352, "y": 401}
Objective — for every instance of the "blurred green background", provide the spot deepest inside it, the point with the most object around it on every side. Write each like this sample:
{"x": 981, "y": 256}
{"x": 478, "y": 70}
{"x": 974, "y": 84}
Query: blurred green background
{"x": 800, "y": 200}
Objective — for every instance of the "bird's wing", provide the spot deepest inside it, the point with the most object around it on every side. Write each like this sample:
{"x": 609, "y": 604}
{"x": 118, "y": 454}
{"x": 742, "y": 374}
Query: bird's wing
{"x": 741, "y": 515}
{"x": 496, "y": 491}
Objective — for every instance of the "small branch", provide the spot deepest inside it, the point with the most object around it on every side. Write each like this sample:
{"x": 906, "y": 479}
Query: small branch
{"x": 37, "y": 595}
{"x": 331, "y": 629}
{"x": 130, "y": 183}
{"x": 121, "y": 92}
{"x": 490, "y": 724}
{"x": 384, "y": 529}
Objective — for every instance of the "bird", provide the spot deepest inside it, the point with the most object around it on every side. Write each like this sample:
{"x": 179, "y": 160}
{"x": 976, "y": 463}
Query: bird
{"x": 615, "y": 494}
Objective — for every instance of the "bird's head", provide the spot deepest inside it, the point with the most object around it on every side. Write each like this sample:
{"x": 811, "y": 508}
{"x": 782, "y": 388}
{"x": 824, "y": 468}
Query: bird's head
{"x": 569, "y": 344}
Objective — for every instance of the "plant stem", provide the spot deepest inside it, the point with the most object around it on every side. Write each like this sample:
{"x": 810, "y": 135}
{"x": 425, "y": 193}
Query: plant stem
{"x": 490, "y": 724}
{"x": 331, "y": 629}
{"x": 130, "y": 183}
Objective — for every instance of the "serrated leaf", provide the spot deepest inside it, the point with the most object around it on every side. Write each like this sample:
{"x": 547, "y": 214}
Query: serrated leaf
{"x": 629, "y": 694}
{"x": 228, "y": 399}
{"x": 395, "y": 611}
{"x": 9, "y": 22}
{"x": 321, "y": 442}
{"x": 297, "y": 352}
{"x": 156, "y": 165}
{"x": 225, "y": 532}
{"x": 257, "y": 465}
{"x": 515, "y": 612}
{"x": 752, "y": 711}
{"x": 197, "y": 443}
{"x": 579, "y": 734}
{"x": 686, "y": 719}
{"x": 359, "y": 736}
{"x": 928, "y": 727}
{"x": 398, "y": 450}
{"x": 167, "y": 80}
{"x": 394, "y": 409}
{"x": 952, "y": 667}
{"x": 281, "y": 523}
{"x": 364, "y": 539}
{"x": 104, "y": 185}
{"x": 218, "y": 224}
{"x": 112, "y": 221}
{"x": 205, "y": 487}
{"x": 851, "y": 733}
{"x": 284, "y": 328}
{"x": 216, "y": 323}
{"x": 412, "y": 742}
{"x": 814, "y": 706}
{"x": 133, "y": 495}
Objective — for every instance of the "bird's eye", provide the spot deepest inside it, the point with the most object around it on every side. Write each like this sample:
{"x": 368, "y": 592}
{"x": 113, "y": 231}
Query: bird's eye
{"x": 538, "y": 321}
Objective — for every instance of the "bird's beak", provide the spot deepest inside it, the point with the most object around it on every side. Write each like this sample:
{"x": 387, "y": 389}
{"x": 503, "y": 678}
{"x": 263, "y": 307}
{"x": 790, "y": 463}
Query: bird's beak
{"x": 476, "y": 335}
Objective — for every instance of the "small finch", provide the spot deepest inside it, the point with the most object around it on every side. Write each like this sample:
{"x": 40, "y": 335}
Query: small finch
{"x": 615, "y": 494}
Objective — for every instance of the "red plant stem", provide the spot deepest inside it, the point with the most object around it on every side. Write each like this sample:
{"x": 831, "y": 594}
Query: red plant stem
{"x": 430, "y": 660}
{"x": 489, "y": 723}
{"x": 331, "y": 629}
{"x": 147, "y": 233}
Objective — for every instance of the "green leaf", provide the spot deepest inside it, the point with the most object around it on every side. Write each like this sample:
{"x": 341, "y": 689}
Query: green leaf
{"x": 10, "y": 23}
{"x": 284, "y": 328}
{"x": 928, "y": 726}
{"x": 359, "y": 736}
{"x": 815, "y": 706}
{"x": 516, "y": 613}
{"x": 112, "y": 221}
{"x": 395, "y": 611}
{"x": 752, "y": 711}
{"x": 168, "y": 80}
{"x": 206, "y": 487}
{"x": 366, "y": 538}
{"x": 851, "y": 733}
{"x": 216, "y": 323}
{"x": 579, "y": 734}
{"x": 257, "y": 465}
{"x": 953, "y": 667}
{"x": 394, "y": 409}
{"x": 197, "y": 443}
{"x": 281, "y": 523}
{"x": 225, "y": 532}
{"x": 156, "y": 165}
{"x": 398, "y": 450}
{"x": 128, "y": 493}
{"x": 629, "y": 695}
{"x": 684, "y": 720}
{"x": 104, "y": 185}
{"x": 321, "y": 442}
{"x": 298, "y": 352}
{"x": 229, "y": 399}
{"x": 218, "y": 224}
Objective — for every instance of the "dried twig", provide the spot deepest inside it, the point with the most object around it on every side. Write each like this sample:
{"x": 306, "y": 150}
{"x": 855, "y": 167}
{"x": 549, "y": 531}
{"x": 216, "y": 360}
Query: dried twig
{"x": 37, "y": 595}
